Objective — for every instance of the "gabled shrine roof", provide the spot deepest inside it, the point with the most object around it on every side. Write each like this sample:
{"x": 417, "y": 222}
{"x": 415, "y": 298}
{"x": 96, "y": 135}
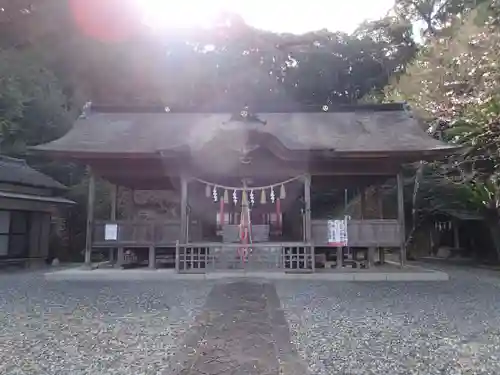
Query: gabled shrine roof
{"x": 355, "y": 129}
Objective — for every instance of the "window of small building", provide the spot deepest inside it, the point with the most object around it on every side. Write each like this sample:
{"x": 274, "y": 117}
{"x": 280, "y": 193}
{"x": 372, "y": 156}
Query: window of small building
{"x": 4, "y": 233}
{"x": 14, "y": 233}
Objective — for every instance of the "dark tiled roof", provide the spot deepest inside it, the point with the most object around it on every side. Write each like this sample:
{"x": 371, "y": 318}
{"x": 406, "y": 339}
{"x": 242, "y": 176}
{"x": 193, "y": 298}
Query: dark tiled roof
{"x": 364, "y": 129}
{"x": 16, "y": 171}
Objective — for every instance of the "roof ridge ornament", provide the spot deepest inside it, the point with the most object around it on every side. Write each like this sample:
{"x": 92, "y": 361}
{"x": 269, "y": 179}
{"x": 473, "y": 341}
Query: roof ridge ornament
{"x": 245, "y": 115}
{"x": 87, "y": 108}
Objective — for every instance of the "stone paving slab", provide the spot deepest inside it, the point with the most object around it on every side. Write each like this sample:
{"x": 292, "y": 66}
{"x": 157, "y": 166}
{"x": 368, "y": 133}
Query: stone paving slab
{"x": 244, "y": 331}
{"x": 414, "y": 274}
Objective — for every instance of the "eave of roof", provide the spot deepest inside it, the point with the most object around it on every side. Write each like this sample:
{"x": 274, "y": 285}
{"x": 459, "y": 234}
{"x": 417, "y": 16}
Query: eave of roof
{"x": 347, "y": 130}
{"x": 38, "y": 198}
{"x": 17, "y": 172}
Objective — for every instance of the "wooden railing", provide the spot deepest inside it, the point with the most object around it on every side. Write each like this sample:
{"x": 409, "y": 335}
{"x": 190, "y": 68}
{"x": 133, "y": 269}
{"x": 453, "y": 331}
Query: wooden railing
{"x": 362, "y": 233}
{"x": 205, "y": 257}
{"x": 142, "y": 233}
{"x": 231, "y": 233}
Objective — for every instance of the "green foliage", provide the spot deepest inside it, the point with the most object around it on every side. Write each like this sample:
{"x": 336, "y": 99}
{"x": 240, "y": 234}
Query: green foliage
{"x": 32, "y": 103}
{"x": 435, "y": 16}
{"x": 453, "y": 84}
{"x": 239, "y": 64}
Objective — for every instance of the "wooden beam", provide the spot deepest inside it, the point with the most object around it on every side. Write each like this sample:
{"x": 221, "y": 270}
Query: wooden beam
{"x": 267, "y": 167}
{"x": 401, "y": 218}
{"x": 90, "y": 217}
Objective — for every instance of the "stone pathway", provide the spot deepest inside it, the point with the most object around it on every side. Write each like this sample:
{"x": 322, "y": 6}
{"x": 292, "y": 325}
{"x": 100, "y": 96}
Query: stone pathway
{"x": 241, "y": 331}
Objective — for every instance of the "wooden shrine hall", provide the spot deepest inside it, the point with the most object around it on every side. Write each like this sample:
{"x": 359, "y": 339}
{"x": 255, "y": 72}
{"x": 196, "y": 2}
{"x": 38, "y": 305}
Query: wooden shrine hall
{"x": 237, "y": 189}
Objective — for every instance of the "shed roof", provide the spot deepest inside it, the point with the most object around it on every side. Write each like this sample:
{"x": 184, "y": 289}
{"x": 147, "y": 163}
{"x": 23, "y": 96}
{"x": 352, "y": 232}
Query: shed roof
{"x": 36, "y": 198}
{"x": 358, "y": 129}
{"x": 16, "y": 171}
{"x": 463, "y": 215}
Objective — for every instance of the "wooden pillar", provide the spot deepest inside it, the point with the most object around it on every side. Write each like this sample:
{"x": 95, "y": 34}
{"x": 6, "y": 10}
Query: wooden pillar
{"x": 177, "y": 260}
{"x": 114, "y": 202}
{"x": 380, "y": 202}
{"x": 120, "y": 256}
{"x": 381, "y": 255}
{"x": 456, "y": 234}
{"x": 152, "y": 258}
{"x": 184, "y": 203}
{"x": 90, "y": 217}
{"x": 371, "y": 256}
{"x": 380, "y": 212}
{"x": 307, "y": 202}
{"x": 401, "y": 218}
{"x": 112, "y": 216}
{"x": 363, "y": 203}
{"x": 340, "y": 257}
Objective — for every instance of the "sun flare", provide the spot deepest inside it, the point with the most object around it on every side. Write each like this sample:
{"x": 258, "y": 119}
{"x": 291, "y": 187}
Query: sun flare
{"x": 273, "y": 15}
{"x": 179, "y": 14}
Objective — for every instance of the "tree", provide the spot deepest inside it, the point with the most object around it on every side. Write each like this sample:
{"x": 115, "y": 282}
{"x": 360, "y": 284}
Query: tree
{"x": 238, "y": 64}
{"x": 436, "y": 16}
{"x": 453, "y": 85}
{"x": 33, "y": 107}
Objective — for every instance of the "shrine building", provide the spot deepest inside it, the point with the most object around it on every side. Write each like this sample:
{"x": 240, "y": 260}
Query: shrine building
{"x": 237, "y": 189}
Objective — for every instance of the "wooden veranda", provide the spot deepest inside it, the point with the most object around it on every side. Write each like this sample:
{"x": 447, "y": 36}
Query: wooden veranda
{"x": 183, "y": 181}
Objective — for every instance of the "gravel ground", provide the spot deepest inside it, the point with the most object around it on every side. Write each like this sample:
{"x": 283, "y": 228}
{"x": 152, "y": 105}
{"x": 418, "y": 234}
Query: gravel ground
{"x": 339, "y": 328}
{"x": 93, "y": 327}
{"x": 397, "y": 328}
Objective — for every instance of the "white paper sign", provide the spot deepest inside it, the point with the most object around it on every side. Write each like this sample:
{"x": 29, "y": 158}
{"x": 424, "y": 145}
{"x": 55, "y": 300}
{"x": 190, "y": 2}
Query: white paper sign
{"x": 337, "y": 232}
{"x": 111, "y": 232}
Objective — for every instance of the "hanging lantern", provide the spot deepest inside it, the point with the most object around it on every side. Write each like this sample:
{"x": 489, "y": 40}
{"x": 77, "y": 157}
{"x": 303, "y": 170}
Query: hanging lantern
{"x": 226, "y": 197}
{"x": 273, "y": 196}
{"x": 252, "y": 198}
{"x": 244, "y": 198}
{"x": 235, "y": 197}
{"x": 207, "y": 191}
{"x": 263, "y": 199}
{"x": 282, "y": 192}
{"x": 214, "y": 194}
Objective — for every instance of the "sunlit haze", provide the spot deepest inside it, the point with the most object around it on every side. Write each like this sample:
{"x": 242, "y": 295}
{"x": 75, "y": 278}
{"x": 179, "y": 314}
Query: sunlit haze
{"x": 274, "y": 15}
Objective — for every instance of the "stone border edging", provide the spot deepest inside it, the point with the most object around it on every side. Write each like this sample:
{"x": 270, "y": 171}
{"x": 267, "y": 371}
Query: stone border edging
{"x": 139, "y": 275}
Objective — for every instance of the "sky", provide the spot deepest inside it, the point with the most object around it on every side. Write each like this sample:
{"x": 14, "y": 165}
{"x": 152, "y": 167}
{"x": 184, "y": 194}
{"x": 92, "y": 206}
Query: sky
{"x": 275, "y": 15}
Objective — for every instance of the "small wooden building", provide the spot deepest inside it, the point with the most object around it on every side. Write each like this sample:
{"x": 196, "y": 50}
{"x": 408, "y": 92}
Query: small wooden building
{"x": 232, "y": 188}
{"x": 27, "y": 199}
